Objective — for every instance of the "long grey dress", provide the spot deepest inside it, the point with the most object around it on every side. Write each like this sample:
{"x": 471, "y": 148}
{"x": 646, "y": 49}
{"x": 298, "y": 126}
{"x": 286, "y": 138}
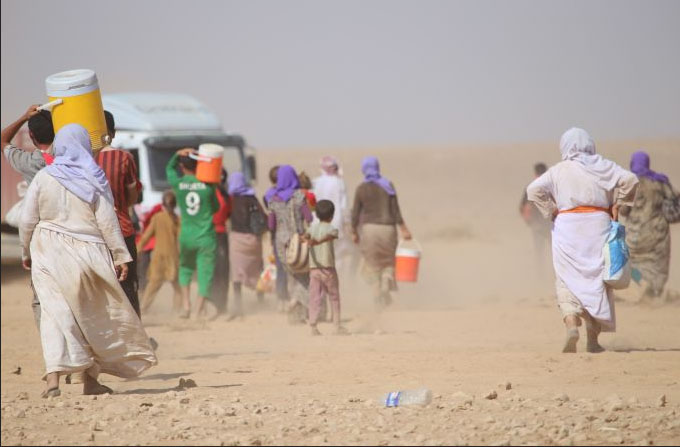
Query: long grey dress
{"x": 289, "y": 219}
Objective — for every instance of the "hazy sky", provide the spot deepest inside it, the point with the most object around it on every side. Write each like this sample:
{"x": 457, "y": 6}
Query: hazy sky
{"x": 365, "y": 73}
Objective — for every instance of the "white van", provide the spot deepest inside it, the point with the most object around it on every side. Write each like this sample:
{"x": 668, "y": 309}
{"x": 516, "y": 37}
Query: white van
{"x": 153, "y": 126}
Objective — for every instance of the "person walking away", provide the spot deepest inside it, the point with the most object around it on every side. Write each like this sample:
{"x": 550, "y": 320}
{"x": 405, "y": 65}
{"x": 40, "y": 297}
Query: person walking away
{"x": 582, "y": 195}
{"x": 220, "y": 288}
{"x": 323, "y": 278}
{"x": 289, "y": 212}
{"x": 331, "y": 186}
{"x": 73, "y": 245}
{"x": 121, "y": 171}
{"x": 248, "y": 223}
{"x": 281, "y": 277}
{"x": 540, "y": 227}
{"x": 144, "y": 252}
{"x": 197, "y": 241}
{"x": 648, "y": 227}
{"x": 164, "y": 263}
{"x": 28, "y": 164}
{"x": 375, "y": 217}
{"x": 306, "y": 187}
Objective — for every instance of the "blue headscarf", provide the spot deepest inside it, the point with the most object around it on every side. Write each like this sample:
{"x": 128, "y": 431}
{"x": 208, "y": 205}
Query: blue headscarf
{"x": 75, "y": 168}
{"x": 286, "y": 184}
{"x": 370, "y": 167}
{"x": 238, "y": 185}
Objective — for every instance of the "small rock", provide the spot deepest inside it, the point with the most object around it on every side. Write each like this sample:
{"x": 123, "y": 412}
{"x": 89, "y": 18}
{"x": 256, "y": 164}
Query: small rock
{"x": 611, "y": 417}
{"x": 661, "y": 401}
{"x": 17, "y": 371}
{"x": 184, "y": 400}
{"x": 20, "y": 414}
{"x": 22, "y": 396}
{"x": 461, "y": 400}
{"x": 491, "y": 395}
{"x": 561, "y": 397}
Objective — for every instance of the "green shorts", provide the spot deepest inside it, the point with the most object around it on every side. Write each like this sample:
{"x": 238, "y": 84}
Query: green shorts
{"x": 200, "y": 258}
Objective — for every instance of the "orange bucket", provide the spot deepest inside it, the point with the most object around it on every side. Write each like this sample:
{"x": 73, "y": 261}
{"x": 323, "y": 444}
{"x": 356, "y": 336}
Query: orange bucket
{"x": 209, "y": 166}
{"x": 407, "y": 263}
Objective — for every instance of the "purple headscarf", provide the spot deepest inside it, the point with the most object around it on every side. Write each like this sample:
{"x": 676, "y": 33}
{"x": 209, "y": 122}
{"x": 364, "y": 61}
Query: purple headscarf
{"x": 639, "y": 164}
{"x": 74, "y": 167}
{"x": 286, "y": 184}
{"x": 371, "y": 170}
{"x": 238, "y": 185}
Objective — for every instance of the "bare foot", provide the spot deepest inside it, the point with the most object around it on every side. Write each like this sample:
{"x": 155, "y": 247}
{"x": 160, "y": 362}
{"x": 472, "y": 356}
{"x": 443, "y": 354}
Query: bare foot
{"x": 570, "y": 342}
{"x": 92, "y": 387}
{"x": 315, "y": 331}
{"x": 52, "y": 392}
{"x": 341, "y": 330}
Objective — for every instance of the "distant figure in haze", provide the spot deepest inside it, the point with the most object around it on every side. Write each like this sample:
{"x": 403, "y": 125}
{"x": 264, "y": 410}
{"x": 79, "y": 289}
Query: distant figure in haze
{"x": 582, "y": 194}
{"x": 164, "y": 263}
{"x": 289, "y": 213}
{"x": 281, "y": 279}
{"x": 248, "y": 224}
{"x": 220, "y": 289}
{"x": 375, "y": 218}
{"x": 647, "y": 226}
{"x": 306, "y": 187}
{"x": 331, "y": 186}
{"x": 540, "y": 227}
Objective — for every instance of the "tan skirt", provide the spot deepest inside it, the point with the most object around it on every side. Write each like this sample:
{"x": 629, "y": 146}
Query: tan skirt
{"x": 87, "y": 322}
{"x": 378, "y": 245}
{"x": 245, "y": 258}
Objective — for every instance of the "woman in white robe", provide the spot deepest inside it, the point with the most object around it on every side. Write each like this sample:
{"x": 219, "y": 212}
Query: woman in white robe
{"x": 74, "y": 246}
{"x": 582, "y": 195}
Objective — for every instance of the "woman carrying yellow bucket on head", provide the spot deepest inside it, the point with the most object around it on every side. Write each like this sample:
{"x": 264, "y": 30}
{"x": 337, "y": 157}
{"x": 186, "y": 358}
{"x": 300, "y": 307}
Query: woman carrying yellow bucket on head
{"x": 75, "y": 98}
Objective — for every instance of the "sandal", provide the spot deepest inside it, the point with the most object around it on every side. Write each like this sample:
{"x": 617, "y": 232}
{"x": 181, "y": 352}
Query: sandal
{"x": 52, "y": 392}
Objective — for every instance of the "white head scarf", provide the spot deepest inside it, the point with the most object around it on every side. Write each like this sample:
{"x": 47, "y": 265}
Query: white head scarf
{"x": 578, "y": 146}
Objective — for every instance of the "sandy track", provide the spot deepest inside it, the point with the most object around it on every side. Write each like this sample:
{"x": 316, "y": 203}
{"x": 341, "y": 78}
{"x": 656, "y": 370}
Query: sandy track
{"x": 476, "y": 320}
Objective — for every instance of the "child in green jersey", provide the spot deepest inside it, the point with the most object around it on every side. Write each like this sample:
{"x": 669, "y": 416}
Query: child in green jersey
{"x": 197, "y": 241}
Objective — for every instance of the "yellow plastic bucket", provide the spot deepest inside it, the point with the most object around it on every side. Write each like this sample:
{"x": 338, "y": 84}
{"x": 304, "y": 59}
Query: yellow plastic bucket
{"x": 209, "y": 166}
{"x": 81, "y": 103}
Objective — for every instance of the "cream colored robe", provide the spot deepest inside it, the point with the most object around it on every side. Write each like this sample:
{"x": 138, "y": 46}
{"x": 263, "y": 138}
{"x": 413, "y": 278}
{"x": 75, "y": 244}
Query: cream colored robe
{"x": 87, "y": 322}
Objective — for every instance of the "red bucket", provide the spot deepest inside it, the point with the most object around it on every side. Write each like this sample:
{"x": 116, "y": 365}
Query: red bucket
{"x": 407, "y": 262}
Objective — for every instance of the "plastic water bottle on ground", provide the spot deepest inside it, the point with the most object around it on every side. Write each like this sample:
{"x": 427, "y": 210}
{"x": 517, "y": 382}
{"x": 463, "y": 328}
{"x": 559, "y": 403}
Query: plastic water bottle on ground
{"x": 421, "y": 396}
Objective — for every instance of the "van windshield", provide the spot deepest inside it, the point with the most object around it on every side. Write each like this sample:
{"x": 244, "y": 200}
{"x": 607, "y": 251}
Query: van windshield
{"x": 161, "y": 149}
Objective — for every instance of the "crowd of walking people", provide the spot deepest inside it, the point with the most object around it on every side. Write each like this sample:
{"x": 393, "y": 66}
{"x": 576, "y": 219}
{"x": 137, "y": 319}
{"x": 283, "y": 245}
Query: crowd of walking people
{"x": 81, "y": 245}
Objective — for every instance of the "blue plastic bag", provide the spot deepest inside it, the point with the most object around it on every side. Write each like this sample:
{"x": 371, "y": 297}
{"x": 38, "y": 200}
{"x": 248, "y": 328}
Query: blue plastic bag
{"x": 616, "y": 255}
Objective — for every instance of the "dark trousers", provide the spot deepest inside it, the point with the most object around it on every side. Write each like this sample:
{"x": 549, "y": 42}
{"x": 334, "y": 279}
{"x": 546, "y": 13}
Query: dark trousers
{"x": 143, "y": 261}
{"x": 131, "y": 284}
{"x": 220, "y": 287}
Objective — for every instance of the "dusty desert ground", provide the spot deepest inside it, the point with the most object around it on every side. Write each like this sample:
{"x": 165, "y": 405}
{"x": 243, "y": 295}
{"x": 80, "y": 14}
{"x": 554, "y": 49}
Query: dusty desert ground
{"x": 480, "y": 329}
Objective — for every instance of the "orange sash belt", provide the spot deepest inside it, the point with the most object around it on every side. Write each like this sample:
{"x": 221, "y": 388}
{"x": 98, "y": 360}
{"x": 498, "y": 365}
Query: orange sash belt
{"x": 587, "y": 209}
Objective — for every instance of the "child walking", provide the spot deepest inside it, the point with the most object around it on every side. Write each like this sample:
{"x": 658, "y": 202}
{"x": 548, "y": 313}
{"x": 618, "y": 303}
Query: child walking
{"x": 323, "y": 278}
{"x": 164, "y": 226}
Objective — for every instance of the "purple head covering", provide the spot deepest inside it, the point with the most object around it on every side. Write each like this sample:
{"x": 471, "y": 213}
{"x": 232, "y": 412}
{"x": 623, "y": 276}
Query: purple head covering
{"x": 286, "y": 184}
{"x": 74, "y": 167}
{"x": 370, "y": 167}
{"x": 238, "y": 185}
{"x": 639, "y": 164}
